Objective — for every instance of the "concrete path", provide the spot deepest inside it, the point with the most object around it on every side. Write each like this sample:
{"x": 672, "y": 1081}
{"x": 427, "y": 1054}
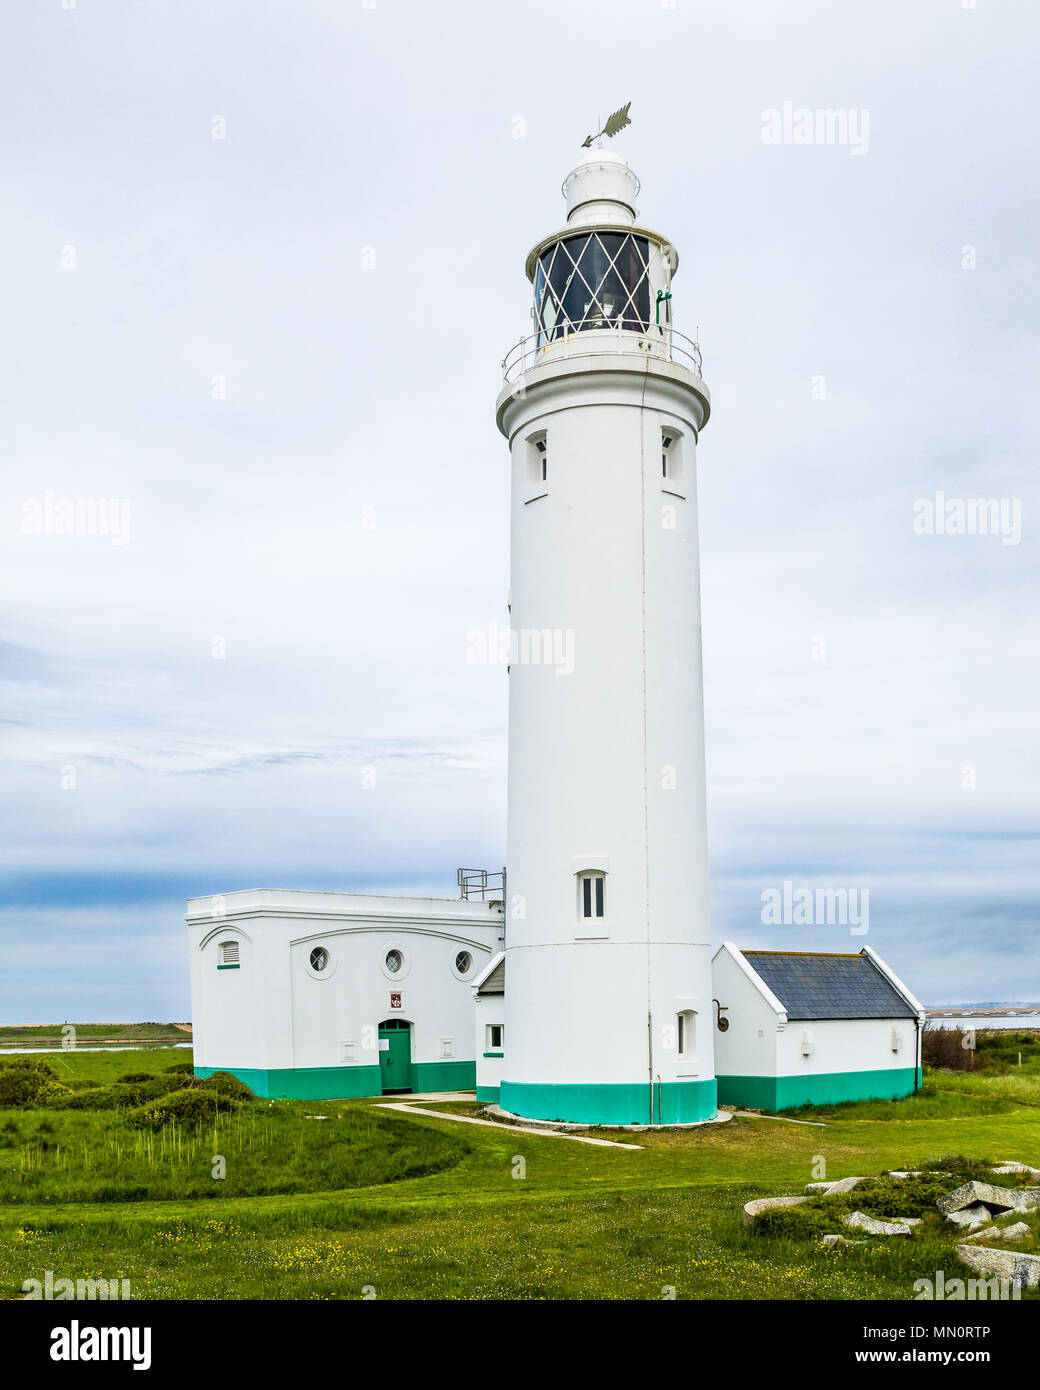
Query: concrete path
{"x": 495, "y": 1124}
{"x": 752, "y": 1115}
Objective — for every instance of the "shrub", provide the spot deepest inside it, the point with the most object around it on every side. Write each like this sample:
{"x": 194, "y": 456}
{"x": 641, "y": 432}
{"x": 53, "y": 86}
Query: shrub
{"x": 52, "y": 1091}
{"x": 227, "y": 1085}
{"x": 188, "y": 1068}
{"x": 22, "y": 1079}
{"x": 944, "y": 1047}
{"x": 189, "y": 1106}
{"x": 130, "y": 1076}
{"x": 961, "y": 1167}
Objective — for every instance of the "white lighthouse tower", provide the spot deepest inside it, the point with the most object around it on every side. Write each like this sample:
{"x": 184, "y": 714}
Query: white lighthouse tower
{"x": 608, "y": 999}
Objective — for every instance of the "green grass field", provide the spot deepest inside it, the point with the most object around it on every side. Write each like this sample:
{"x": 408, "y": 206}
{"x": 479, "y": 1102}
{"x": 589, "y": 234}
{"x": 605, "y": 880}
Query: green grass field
{"x": 50, "y": 1034}
{"x": 375, "y": 1203}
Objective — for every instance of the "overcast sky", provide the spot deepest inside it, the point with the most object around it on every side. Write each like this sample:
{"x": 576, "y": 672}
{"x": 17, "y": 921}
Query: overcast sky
{"x": 278, "y": 352}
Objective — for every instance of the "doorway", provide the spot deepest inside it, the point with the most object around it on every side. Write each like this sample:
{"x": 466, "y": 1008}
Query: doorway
{"x": 395, "y": 1055}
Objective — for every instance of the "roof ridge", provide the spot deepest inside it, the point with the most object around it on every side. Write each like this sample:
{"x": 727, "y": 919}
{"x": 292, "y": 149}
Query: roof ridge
{"x": 765, "y": 951}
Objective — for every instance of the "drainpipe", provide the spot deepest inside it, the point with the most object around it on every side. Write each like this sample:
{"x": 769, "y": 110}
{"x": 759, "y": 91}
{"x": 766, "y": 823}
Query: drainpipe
{"x": 917, "y": 1054}
{"x": 650, "y": 1060}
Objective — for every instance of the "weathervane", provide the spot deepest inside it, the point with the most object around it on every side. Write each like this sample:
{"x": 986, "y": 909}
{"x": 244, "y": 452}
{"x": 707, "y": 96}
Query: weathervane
{"x": 617, "y": 122}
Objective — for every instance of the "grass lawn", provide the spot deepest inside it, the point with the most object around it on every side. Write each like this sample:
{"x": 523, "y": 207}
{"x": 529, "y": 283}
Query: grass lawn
{"x": 50, "y": 1034}
{"x": 481, "y": 1212}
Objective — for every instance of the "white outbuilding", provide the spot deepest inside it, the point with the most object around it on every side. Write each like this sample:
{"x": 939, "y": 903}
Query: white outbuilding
{"x": 812, "y": 1028}
{"x": 312, "y": 995}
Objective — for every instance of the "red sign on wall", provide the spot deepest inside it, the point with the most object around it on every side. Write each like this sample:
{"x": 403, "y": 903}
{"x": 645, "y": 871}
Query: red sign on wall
{"x": 397, "y": 1001}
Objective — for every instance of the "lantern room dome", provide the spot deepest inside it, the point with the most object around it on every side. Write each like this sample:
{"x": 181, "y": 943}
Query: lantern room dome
{"x": 601, "y": 188}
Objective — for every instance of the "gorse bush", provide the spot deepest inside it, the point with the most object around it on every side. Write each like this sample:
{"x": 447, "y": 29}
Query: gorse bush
{"x": 189, "y": 1107}
{"x": 22, "y": 1079}
{"x": 227, "y": 1085}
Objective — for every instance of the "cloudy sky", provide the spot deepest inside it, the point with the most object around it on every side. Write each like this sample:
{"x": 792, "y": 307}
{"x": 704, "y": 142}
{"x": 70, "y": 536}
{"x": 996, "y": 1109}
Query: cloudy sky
{"x": 260, "y": 264}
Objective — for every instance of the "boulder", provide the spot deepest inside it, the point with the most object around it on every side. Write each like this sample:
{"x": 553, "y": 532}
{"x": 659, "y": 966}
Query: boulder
{"x": 1010, "y": 1166}
{"x": 761, "y": 1204}
{"x": 996, "y": 1198}
{"x": 1002, "y": 1264}
{"x": 862, "y": 1222}
{"x": 840, "y": 1243}
{"x": 832, "y": 1189}
{"x": 903, "y": 1173}
{"x": 977, "y": 1215}
{"x": 1019, "y": 1231}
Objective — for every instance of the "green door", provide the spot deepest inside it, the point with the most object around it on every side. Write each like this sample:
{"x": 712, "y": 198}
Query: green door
{"x": 395, "y": 1055}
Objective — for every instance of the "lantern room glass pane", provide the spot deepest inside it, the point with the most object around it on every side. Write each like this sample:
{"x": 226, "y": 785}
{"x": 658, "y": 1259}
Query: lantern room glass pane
{"x": 595, "y": 280}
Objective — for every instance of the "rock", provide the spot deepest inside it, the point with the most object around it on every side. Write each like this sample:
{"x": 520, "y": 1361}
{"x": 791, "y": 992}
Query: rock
{"x": 1003, "y": 1264}
{"x": 977, "y": 1215}
{"x": 996, "y": 1198}
{"x": 908, "y": 1220}
{"x": 987, "y": 1233}
{"x": 1010, "y": 1166}
{"x": 903, "y": 1173}
{"x": 761, "y": 1204}
{"x": 832, "y": 1189}
{"x": 840, "y": 1243}
{"x": 1019, "y": 1231}
{"x": 862, "y": 1222}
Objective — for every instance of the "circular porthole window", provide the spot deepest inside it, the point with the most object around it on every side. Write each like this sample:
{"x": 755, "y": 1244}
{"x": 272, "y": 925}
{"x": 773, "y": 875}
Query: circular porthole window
{"x": 463, "y": 961}
{"x": 394, "y": 961}
{"x": 319, "y": 958}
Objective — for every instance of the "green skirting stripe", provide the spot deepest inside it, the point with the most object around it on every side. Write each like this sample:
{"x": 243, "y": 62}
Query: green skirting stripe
{"x": 487, "y": 1095}
{"x": 674, "y": 1102}
{"x": 824, "y": 1088}
{"x": 444, "y": 1076}
{"x": 344, "y": 1083}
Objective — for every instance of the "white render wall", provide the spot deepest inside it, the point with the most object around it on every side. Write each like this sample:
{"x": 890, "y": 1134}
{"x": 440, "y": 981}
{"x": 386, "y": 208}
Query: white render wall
{"x": 276, "y": 1013}
{"x": 750, "y": 1045}
{"x": 846, "y": 1044}
{"x": 606, "y": 763}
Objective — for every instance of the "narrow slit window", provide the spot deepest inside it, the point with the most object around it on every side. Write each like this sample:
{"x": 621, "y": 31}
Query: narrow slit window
{"x": 538, "y": 459}
{"x": 592, "y": 896}
{"x": 671, "y": 455}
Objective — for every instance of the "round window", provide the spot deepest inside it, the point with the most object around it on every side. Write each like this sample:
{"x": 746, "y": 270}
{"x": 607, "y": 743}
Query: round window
{"x": 394, "y": 961}
{"x": 463, "y": 961}
{"x": 319, "y": 958}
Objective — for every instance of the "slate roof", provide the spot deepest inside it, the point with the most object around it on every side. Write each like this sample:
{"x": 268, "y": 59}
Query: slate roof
{"x": 811, "y": 984}
{"x": 496, "y": 980}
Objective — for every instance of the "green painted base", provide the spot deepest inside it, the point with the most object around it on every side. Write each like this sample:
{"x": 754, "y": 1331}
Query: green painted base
{"x": 674, "y": 1102}
{"x": 487, "y": 1095}
{"x": 344, "y": 1083}
{"x": 826, "y": 1088}
{"x": 444, "y": 1076}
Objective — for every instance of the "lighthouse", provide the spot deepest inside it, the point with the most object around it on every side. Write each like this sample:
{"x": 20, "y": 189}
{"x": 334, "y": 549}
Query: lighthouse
{"x": 608, "y": 998}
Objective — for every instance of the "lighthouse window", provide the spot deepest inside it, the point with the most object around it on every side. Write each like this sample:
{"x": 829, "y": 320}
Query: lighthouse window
{"x": 687, "y": 1032}
{"x": 599, "y": 280}
{"x": 538, "y": 458}
{"x": 591, "y": 895}
{"x": 671, "y": 455}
